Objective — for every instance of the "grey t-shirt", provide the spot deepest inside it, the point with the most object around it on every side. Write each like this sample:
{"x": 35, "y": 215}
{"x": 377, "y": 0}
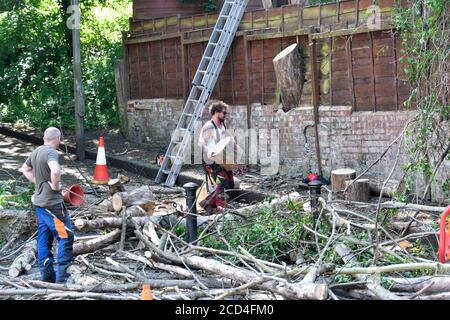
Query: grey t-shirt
{"x": 44, "y": 196}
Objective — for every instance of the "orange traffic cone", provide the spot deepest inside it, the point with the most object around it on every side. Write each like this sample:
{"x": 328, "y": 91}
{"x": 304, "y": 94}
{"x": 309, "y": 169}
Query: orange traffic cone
{"x": 147, "y": 293}
{"x": 101, "y": 172}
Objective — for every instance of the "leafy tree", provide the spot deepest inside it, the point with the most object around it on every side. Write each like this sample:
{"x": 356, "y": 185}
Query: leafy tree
{"x": 36, "y": 83}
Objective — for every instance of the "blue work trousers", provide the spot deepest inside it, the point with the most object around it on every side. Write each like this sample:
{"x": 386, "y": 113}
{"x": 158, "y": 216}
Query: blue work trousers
{"x": 54, "y": 223}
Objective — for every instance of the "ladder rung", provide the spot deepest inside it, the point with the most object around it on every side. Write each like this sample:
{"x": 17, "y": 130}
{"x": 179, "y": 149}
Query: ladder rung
{"x": 207, "y": 75}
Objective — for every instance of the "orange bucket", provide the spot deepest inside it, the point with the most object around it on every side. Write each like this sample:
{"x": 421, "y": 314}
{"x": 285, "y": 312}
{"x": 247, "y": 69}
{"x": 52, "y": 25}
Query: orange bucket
{"x": 74, "y": 195}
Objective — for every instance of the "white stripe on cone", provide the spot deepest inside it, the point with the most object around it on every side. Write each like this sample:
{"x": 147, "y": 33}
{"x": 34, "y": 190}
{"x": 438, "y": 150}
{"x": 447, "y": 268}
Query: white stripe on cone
{"x": 101, "y": 158}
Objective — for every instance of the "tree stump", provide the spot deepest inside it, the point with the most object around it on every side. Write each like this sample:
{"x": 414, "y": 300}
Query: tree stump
{"x": 289, "y": 70}
{"x": 359, "y": 190}
{"x": 339, "y": 176}
{"x": 135, "y": 197}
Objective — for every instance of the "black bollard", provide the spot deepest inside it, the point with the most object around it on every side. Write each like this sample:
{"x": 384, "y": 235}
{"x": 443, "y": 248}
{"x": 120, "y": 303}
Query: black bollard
{"x": 191, "y": 219}
{"x": 315, "y": 191}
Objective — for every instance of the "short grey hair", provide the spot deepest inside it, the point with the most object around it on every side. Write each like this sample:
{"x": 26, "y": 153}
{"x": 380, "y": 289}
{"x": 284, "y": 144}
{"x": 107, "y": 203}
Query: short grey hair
{"x": 52, "y": 133}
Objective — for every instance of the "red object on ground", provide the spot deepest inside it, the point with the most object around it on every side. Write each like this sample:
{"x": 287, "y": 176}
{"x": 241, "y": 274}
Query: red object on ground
{"x": 101, "y": 171}
{"x": 74, "y": 195}
{"x": 444, "y": 238}
{"x": 312, "y": 176}
{"x": 146, "y": 293}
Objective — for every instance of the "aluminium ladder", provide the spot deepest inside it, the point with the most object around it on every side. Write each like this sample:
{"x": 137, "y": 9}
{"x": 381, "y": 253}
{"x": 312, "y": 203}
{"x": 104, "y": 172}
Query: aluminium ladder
{"x": 202, "y": 86}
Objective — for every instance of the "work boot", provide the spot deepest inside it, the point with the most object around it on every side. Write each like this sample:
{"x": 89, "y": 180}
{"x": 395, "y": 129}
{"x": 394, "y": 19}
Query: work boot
{"x": 47, "y": 272}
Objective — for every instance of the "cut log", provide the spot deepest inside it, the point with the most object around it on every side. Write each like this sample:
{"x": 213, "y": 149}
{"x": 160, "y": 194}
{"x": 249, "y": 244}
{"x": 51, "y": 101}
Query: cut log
{"x": 24, "y": 261}
{"x": 105, "y": 205}
{"x": 144, "y": 209}
{"x": 136, "y": 197}
{"x": 358, "y": 190}
{"x": 103, "y": 223}
{"x": 339, "y": 176}
{"x": 115, "y": 185}
{"x": 97, "y": 243}
{"x": 392, "y": 187}
{"x": 123, "y": 179}
{"x": 289, "y": 68}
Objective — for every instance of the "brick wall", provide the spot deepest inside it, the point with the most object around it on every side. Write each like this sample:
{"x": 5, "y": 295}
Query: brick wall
{"x": 347, "y": 139}
{"x": 153, "y": 120}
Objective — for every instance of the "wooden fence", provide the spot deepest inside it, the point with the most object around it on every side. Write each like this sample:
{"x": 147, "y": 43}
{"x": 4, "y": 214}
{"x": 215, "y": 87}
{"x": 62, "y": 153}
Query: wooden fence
{"x": 356, "y": 64}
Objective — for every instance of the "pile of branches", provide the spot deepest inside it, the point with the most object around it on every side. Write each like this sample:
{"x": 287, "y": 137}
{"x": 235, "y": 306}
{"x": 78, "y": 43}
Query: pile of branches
{"x": 128, "y": 251}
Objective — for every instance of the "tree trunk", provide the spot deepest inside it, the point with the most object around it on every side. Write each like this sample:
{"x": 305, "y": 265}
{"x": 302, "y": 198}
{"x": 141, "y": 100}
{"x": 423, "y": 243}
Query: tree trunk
{"x": 359, "y": 190}
{"x": 97, "y": 243}
{"x": 339, "y": 176}
{"x": 289, "y": 70}
{"x": 136, "y": 197}
{"x": 25, "y": 261}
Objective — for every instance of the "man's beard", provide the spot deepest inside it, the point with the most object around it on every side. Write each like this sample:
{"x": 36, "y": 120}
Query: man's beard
{"x": 222, "y": 120}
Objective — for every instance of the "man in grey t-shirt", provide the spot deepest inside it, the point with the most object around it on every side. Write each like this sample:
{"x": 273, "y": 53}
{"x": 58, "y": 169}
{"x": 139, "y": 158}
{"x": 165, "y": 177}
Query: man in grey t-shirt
{"x": 42, "y": 168}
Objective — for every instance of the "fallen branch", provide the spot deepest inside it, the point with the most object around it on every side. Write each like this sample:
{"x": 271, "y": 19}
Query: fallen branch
{"x": 157, "y": 283}
{"x": 104, "y": 223}
{"x": 97, "y": 243}
{"x": 101, "y": 287}
{"x": 53, "y": 294}
{"x": 24, "y": 261}
{"x": 288, "y": 290}
{"x": 372, "y": 284}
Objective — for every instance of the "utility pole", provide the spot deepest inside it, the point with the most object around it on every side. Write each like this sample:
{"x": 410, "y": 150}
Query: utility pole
{"x": 77, "y": 84}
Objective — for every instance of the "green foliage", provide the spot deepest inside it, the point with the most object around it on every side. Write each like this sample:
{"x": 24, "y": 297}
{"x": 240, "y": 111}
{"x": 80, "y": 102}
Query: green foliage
{"x": 180, "y": 230}
{"x": 267, "y": 236}
{"x": 342, "y": 278}
{"x": 36, "y": 83}
{"x": 10, "y": 198}
{"x": 423, "y": 25}
{"x": 271, "y": 233}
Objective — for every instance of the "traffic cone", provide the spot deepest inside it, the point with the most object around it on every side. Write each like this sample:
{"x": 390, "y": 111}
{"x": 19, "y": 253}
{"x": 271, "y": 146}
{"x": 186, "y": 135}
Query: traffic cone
{"x": 101, "y": 172}
{"x": 147, "y": 293}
